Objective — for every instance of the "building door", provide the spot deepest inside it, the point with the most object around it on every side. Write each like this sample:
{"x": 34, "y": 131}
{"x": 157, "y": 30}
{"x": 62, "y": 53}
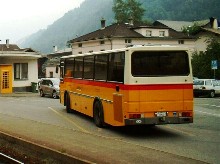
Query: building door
{"x": 5, "y": 79}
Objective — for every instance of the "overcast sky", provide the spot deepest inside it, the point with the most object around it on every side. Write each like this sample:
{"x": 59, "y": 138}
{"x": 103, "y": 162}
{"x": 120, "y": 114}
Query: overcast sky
{"x": 20, "y": 18}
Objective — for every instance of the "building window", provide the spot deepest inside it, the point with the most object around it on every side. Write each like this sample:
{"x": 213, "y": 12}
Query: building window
{"x": 102, "y": 42}
{"x": 128, "y": 40}
{"x": 51, "y": 74}
{"x": 80, "y": 52}
{"x": 80, "y": 45}
{"x": 21, "y": 71}
{"x": 148, "y": 33}
{"x": 181, "y": 41}
{"x": 161, "y": 33}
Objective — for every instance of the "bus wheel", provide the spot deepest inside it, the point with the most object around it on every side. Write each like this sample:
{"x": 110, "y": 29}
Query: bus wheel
{"x": 54, "y": 95}
{"x": 42, "y": 93}
{"x": 67, "y": 99}
{"x": 98, "y": 114}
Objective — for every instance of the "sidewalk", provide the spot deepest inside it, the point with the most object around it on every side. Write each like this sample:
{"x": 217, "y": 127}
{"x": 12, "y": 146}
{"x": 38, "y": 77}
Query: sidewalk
{"x": 19, "y": 94}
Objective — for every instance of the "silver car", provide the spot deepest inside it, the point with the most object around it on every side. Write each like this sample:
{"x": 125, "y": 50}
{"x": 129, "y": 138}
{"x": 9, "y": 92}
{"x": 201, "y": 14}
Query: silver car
{"x": 210, "y": 87}
{"x": 49, "y": 86}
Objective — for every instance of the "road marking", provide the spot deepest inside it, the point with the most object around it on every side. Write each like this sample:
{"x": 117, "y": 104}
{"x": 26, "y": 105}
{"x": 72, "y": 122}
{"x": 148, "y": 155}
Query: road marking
{"x": 202, "y": 104}
{"x": 217, "y": 106}
{"x": 216, "y": 115}
{"x": 69, "y": 120}
{"x": 82, "y": 129}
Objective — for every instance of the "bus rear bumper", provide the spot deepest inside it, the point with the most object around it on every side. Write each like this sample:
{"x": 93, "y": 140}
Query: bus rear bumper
{"x": 159, "y": 121}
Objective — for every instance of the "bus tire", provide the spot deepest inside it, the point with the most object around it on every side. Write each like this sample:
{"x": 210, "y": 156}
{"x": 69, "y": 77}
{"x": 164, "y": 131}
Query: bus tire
{"x": 42, "y": 93}
{"x": 67, "y": 102}
{"x": 98, "y": 114}
{"x": 54, "y": 95}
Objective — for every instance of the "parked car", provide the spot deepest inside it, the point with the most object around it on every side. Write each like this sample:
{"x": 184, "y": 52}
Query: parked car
{"x": 194, "y": 78}
{"x": 203, "y": 87}
{"x": 49, "y": 86}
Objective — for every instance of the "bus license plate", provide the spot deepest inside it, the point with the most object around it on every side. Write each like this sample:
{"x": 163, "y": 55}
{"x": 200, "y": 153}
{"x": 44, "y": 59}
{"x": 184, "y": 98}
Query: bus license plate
{"x": 161, "y": 114}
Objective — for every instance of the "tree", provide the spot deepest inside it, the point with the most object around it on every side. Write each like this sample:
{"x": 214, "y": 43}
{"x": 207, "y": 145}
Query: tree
{"x": 192, "y": 30}
{"x": 201, "y": 62}
{"x": 119, "y": 10}
{"x": 125, "y": 10}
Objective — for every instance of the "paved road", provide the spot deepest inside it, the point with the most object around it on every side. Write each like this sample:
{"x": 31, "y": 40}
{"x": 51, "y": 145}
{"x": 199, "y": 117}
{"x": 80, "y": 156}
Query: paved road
{"x": 45, "y": 120}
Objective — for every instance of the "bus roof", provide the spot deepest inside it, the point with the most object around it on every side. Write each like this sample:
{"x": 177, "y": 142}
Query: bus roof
{"x": 134, "y": 47}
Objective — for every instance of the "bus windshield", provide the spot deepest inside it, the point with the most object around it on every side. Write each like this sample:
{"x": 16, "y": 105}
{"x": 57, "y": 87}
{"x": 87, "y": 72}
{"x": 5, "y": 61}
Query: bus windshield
{"x": 159, "y": 63}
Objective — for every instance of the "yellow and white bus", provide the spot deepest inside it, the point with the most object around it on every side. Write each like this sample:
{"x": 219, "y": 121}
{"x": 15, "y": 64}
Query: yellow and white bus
{"x": 132, "y": 86}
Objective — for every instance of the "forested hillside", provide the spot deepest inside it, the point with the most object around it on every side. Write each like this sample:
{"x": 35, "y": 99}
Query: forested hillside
{"x": 185, "y": 10}
{"x": 87, "y": 17}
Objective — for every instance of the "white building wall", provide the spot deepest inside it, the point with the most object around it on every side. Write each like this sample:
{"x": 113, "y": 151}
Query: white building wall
{"x": 91, "y": 46}
{"x": 120, "y": 43}
{"x": 154, "y": 32}
{"x": 52, "y": 69}
{"x": 32, "y": 71}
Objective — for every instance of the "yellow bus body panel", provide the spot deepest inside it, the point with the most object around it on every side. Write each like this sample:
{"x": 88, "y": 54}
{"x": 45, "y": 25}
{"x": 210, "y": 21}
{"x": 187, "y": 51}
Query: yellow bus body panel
{"x": 118, "y": 105}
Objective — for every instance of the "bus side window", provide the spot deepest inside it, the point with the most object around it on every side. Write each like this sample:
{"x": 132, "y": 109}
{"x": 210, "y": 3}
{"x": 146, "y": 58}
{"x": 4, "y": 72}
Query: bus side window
{"x": 78, "y": 69}
{"x": 69, "y": 66}
{"x": 88, "y": 67}
{"x": 68, "y": 73}
{"x": 101, "y": 63}
{"x": 116, "y": 67}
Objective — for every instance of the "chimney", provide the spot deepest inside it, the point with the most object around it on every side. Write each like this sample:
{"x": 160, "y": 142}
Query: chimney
{"x": 102, "y": 23}
{"x": 214, "y": 23}
{"x": 7, "y": 43}
{"x": 131, "y": 21}
{"x": 54, "y": 48}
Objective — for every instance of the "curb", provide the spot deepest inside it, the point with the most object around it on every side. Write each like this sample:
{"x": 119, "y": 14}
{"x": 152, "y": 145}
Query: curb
{"x": 20, "y": 94}
{"x": 39, "y": 151}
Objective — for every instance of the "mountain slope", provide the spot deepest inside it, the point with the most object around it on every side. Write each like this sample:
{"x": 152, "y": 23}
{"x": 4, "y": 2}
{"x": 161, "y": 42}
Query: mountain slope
{"x": 87, "y": 18}
{"x": 74, "y": 23}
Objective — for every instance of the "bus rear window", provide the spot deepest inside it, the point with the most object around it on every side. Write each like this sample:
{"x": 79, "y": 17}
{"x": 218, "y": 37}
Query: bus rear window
{"x": 159, "y": 63}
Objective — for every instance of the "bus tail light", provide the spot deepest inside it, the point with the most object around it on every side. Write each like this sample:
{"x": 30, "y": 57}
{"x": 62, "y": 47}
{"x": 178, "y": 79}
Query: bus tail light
{"x": 134, "y": 116}
{"x": 185, "y": 114}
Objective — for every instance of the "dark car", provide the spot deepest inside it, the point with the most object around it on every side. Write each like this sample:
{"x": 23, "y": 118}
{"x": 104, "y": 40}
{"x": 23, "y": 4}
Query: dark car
{"x": 49, "y": 86}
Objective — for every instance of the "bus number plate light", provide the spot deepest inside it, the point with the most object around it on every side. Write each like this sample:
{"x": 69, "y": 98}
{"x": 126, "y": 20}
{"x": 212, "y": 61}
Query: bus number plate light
{"x": 161, "y": 114}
